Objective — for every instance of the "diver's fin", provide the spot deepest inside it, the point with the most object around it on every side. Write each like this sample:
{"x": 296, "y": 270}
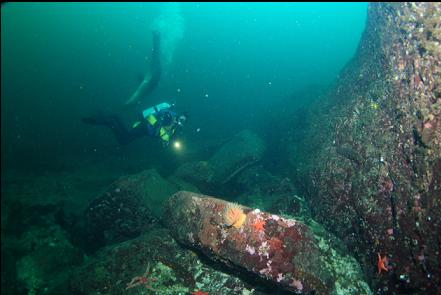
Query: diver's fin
{"x": 97, "y": 118}
{"x": 151, "y": 79}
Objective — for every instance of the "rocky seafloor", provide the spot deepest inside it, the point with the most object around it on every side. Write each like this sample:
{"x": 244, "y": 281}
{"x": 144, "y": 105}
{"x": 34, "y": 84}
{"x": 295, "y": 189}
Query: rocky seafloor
{"x": 357, "y": 212}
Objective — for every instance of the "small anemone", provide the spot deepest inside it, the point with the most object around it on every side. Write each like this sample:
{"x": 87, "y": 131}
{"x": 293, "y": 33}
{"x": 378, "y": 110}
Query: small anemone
{"x": 234, "y": 215}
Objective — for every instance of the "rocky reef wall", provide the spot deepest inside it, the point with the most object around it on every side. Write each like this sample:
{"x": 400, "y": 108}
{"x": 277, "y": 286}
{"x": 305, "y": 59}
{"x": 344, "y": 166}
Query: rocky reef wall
{"x": 375, "y": 180}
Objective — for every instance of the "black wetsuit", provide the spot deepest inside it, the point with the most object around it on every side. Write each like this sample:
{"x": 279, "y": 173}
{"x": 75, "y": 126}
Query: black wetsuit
{"x": 122, "y": 134}
{"x": 165, "y": 118}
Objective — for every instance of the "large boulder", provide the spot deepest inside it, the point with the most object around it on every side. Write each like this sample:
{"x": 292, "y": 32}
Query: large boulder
{"x": 283, "y": 251}
{"x": 241, "y": 152}
{"x": 153, "y": 261}
{"x": 127, "y": 207}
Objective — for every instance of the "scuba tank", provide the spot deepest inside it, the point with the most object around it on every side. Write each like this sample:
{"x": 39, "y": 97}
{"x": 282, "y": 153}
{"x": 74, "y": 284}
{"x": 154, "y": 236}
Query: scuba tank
{"x": 155, "y": 109}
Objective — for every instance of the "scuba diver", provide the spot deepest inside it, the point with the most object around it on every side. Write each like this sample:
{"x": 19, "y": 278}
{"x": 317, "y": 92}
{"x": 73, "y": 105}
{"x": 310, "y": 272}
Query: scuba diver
{"x": 160, "y": 121}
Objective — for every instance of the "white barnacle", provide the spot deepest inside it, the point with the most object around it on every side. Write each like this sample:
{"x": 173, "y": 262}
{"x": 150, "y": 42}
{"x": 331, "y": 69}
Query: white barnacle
{"x": 250, "y": 249}
{"x": 263, "y": 249}
{"x": 279, "y": 277}
{"x": 275, "y": 217}
{"x": 290, "y": 222}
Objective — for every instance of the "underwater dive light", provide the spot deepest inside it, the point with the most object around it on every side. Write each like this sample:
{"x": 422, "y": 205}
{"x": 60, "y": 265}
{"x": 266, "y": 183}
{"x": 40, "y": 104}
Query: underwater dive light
{"x": 177, "y": 145}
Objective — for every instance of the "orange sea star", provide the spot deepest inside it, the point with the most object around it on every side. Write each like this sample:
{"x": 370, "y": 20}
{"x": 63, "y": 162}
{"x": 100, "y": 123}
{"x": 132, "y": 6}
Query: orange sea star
{"x": 382, "y": 262}
{"x": 259, "y": 225}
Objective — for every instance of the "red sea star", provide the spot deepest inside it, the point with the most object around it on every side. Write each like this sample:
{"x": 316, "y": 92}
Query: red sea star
{"x": 258, "y": 225}
{"x": 382, "y": 262}
{"x": 142, "y": 280}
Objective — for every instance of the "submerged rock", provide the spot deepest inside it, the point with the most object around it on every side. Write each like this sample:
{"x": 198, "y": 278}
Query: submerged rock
{"x": 199, "y": 173}
{"x": 242, "y": 151}
{"x": 235, "y": 156}
{"x": 279, "y": 250}
{"x": 153, "y": 261}
{"x": 127, "y": 208}
{"x": 48, "y": 262}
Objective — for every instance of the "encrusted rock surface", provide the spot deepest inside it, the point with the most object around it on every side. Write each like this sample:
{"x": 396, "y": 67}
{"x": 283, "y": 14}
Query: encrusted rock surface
{"x": 127, "y": 207}
{"x": 280, "y": 250}
{"x": 375, "y": 180}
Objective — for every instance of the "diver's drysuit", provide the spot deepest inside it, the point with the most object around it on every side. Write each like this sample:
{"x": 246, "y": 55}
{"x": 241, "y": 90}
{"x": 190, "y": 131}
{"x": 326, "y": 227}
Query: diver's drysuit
{"x": 157, "y": 121}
